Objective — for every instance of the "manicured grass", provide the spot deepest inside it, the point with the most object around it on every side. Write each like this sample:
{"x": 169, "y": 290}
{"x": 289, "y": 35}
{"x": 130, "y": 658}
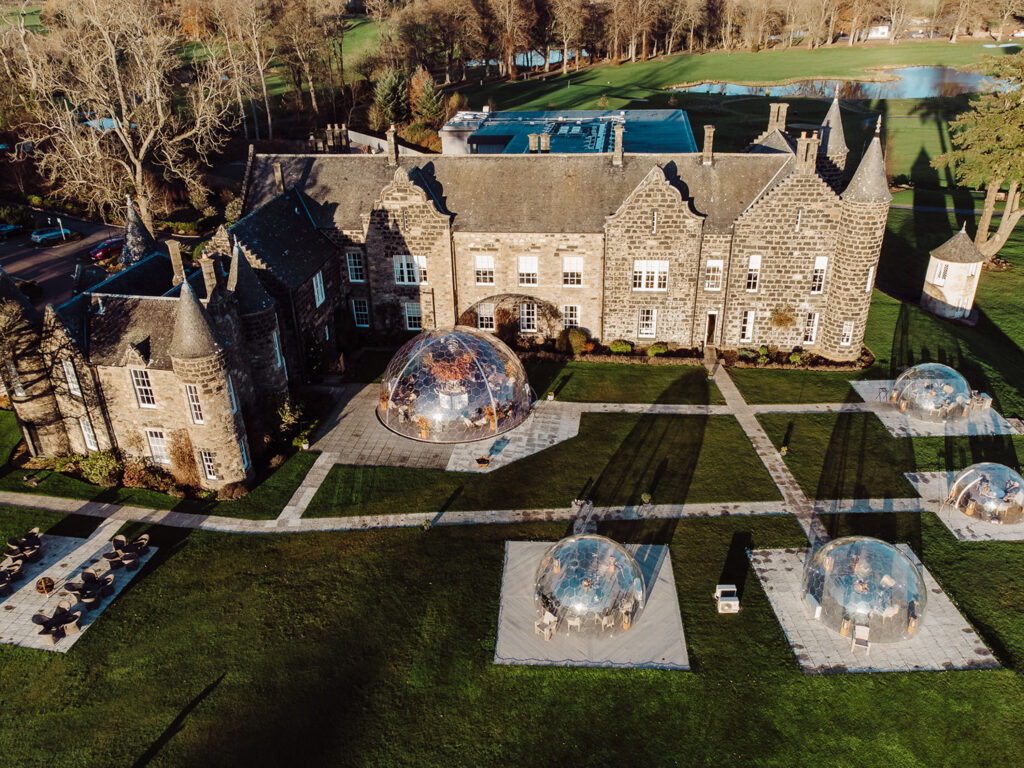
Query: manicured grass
{"x": 265, "y": 501}
{"x": 851, "y": 455}
{"x": 376, "y": 647}
{"x": 614, "y": 459}
{"x": 627, "y": 83}
{"x": 781, "y": 386}
{"x": 581, "y": 381}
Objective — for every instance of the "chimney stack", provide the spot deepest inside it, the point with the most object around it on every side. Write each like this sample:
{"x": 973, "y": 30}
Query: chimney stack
{"x": 344, "y": 138}
{"x": 777, "y": 117}
{"x": 392, "y": 145}
{"x": 174, "y": 250}
{"x": 209, "y": 268}
{"x": 807, "y": 152}
{"x": 617, "y": 131}
{"x": 534, "y": 140}
{"x": 709, "y": 143}
{"x": 279, "y": 177}
{"x": 545, "y": 143}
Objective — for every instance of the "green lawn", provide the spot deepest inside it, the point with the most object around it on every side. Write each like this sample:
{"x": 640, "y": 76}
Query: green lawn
{"x": 772, "y": 385}
{"x": 614, "y": 459}
{"x": 265, "y": 501}
{"x": 585, "y": 382}
{"x": 375, "y": 648}
{"x": 851, "y": 455}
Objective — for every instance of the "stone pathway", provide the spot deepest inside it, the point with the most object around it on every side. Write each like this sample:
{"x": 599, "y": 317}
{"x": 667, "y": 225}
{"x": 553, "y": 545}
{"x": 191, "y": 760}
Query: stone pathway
{"x": 308, "y": 487}
{"x": 63, "y": 560}
{"x": 943, "y": 641}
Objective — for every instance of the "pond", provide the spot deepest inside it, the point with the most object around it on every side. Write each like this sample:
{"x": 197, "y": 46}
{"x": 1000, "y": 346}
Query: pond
{"x": 911, "y": 83}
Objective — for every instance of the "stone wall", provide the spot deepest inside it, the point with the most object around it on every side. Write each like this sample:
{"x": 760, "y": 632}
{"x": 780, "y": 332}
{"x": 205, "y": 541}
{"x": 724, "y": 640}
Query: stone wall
{"x": 955, "y": 297}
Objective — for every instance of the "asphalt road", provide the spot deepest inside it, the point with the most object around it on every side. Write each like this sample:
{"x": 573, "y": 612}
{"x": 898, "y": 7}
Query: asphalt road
{"x": 52, "y": 267}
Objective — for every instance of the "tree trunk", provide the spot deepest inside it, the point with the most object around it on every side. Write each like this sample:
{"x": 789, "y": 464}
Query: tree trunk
{"x": 238, "y": 88}
{"x": 312, "y": 90}
{"x": 547, "y": 58}
{"x": 266, "y": 105}
{"x": 853, "y": 29}
{"x": 1012, "y": 214}
{"x": 565, "y": 58}
{"x": 991, "y": 190}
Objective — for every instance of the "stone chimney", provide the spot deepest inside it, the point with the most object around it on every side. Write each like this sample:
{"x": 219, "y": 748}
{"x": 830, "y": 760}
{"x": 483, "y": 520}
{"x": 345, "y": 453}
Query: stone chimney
{"x": 777, "y": 117}
{"x": 344, "y": 138}
{"x": 174, "y": 249}
{"x": 278, "y": 177}
{"x": 534, "y": 140}
{"x": 209, "y": 267}
{"x": 709, "y": 144}
{"x": 617, "y": 130}
{"x": 392, "y": 145}
{"x": 807, "y": 152}
{"x": 545, "y": 143}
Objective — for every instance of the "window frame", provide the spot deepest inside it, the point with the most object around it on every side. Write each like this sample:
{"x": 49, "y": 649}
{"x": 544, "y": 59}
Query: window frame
{"x": 871, "y": 279}
{"x": 714, "y": 274}
{"x": 71, "y": 377}
{"x": 356, "y": 313}
{"x": 209, "y": 469}
{"x": 319, "y": 297}
{"x": 818, "y": 275}
{"x": 232, "y": 396}
{"x": 409, "y": 315}
{"x": 520, "y": 273}
{"x": 941, "y": 273}
{"x": 245, "y": 454}
{"x": 354, "y": 260}
{"x": 652, "y": 325}
{"x": 162, "y": 456}
{"x": 753, "y": 273}
{"x": 847, "y": 337}
{"x": 195, "y": 406}
{"x": 480, "y": 315}
{"x": 483, "y": 268}
{"x": 570, "y": 316}
{"x": 88, "y": 433}
{"x": 572, "y": 278}
{"x": 138, "y": 385}
{"x": 652, "y": 271}
{"x": 410, "y": 269}
{"x": 747, "y": 318}
{"x": 528, "y": 310}
{"x": 12, "y": 371}
{"x": 810, "y": 334}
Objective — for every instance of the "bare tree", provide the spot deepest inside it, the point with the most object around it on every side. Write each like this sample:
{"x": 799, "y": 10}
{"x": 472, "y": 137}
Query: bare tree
{"x": 568, "y": 18}
{"x": 897, "y": 18}
{"x": 512, "y": 19}
{"x": 1005, "y": 10}
{"x": 114, "y": 106}
{"x": 254, "y": 27}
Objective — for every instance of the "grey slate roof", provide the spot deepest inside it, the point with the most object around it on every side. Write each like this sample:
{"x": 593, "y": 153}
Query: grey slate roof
{"x": 283, "y": 231}
{"x": 869, "y": 184}
{"x": 959, "y": 249}
{"x": 507, "y": 193}
{"x": 193, "y": 336}
{"x": 835, "y": 137}
{"x": 252, "y": 297}
{"x": 145, "y": 322}
{"x": 138, "y": 242}
{"x": 775, "y": 141}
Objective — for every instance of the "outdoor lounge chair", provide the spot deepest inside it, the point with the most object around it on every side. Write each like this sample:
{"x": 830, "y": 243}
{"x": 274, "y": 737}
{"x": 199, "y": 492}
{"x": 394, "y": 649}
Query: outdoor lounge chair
{"x": 860, "y": 638}
{"x": 139, "y": 545}
{"x": 130, "y": 560}
{"x": 114, "y": 559}
{"x": 119, "y": 542}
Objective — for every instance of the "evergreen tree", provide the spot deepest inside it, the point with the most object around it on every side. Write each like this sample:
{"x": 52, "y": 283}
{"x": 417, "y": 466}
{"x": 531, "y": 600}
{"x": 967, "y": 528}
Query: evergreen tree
{"x": 391, "y": 96}
{"x": 429, "y": 107}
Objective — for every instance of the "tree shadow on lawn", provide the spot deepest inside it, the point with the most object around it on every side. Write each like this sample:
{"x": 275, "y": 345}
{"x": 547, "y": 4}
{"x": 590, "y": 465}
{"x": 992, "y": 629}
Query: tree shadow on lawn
{"x": 154, "y": 749}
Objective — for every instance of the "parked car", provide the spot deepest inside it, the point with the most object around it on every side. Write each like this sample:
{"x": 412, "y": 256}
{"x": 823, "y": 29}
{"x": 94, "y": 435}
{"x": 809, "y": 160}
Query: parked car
{"x": 6, "y": 230}
{"x": 54, "y": 236}
{"x": 109, "y": 248}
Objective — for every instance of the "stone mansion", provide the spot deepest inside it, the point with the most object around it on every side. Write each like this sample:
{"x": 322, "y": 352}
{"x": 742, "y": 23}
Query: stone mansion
{"x": 176, "y": 363}
{"x": 768, "y": 246}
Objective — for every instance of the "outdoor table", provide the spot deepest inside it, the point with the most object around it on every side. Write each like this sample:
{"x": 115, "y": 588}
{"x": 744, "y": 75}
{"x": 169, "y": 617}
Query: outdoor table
{"x": 45, "y": 585}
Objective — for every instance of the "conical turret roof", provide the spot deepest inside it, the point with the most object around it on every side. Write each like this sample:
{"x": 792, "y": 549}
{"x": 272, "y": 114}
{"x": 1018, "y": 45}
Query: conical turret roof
{"x": 138, "y": 242}
{"x": 252, "y": 297}
{"x": 835, "y": 143}
{"x": 868, "y": 184}
{"x": 959, "y": 249}
{"x": 193, "y": 336}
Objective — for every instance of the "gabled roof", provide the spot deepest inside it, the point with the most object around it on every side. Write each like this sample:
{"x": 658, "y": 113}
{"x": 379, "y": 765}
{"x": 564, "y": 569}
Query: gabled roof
{"x": 959, "y": 249}
{"x": 118, "y": 324}
{"x": 283, "y": 233}
{"x": 869, "y": 184}
{"x": 193, "y": 337}
{"x": 772, "y": 142}
{"x": 507, "y": 193}
{"x": 835, "y": 137}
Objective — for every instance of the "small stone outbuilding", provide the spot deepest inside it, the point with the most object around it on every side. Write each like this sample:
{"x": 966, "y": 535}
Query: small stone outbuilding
{"x": 952, "y": 278}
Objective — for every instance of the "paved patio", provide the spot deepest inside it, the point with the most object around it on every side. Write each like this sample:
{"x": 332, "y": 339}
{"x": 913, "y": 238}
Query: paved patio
{"x": 63, "y": 560}
{"x": 944, "y": 640}
{"x": 978, "y": 422}
{"x": 934, "y": 487}
{"x": 656, "y": 640}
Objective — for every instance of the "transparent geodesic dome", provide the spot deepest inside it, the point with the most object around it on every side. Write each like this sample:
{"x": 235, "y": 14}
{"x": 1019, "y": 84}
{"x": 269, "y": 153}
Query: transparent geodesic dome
{"x": 453, "y": 386}
{"x": 931, "y": 392}
{"x": 591, "y": 584}
{"x": 992, "y": 493}
{"x": 858, "y": 580}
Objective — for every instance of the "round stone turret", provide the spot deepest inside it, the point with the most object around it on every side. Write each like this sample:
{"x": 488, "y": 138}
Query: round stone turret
{"x": 258, "y": 313}
{"x": 833, "y": 150}
{"x": 865, "y": 210}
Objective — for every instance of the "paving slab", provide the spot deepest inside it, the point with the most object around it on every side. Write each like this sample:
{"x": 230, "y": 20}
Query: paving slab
{"x": 656, "y": 640}
{"x": 978, "y": 422}
{"x": 943, "y": 641}
{"x": 63, "y": 560}
{"x": 934, "y": 487}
